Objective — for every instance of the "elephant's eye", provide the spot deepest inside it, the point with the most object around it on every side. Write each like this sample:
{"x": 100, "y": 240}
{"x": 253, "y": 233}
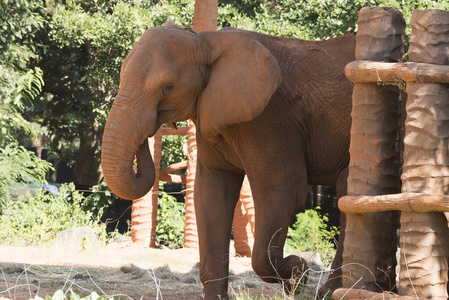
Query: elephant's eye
{"x": 167, "y": 89}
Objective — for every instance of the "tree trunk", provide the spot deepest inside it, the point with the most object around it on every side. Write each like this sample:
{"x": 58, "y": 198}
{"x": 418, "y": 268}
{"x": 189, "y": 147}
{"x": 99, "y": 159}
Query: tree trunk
{"x": 87, "y": 166}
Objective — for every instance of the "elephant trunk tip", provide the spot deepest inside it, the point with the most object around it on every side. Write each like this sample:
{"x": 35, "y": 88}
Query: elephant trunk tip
{"x": 137, "y": 188}
{"x": 123, "y": 179}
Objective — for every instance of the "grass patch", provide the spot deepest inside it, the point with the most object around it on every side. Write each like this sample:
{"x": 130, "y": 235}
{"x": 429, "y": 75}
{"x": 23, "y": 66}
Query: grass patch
{"x": 36, "y": 220}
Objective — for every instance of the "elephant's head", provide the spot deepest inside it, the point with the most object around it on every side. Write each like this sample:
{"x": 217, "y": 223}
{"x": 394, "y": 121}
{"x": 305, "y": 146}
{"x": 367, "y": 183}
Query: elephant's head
{"x": 220, "y": 78}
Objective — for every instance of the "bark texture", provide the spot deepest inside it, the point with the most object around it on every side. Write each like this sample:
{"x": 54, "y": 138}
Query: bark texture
{"x": 425, "y": 237}
{"x": 370, "y": 242}
{"x": 87, "y": 172}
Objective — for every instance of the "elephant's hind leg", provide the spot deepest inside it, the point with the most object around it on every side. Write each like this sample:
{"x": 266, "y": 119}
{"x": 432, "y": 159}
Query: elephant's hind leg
{"x": 270, "y": 265}
{"x": 275, "y": 211}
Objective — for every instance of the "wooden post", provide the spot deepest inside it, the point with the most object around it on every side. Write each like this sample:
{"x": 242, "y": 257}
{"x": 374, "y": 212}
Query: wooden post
{"x": 144, "y": 210}
{"x": 190, "y": 230}
{"x": 370, "y": 242}
{"x": 205, "y": 15}
{"x": 424, "y": 237}
{"x": 205, "y": 18}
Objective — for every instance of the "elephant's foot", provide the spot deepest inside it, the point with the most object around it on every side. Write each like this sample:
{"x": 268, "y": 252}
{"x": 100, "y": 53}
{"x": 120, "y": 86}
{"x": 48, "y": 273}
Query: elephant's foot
{"x": 293, "y": 272}
{"x": 214, "y": 290}
{"x": 213, "y": 296}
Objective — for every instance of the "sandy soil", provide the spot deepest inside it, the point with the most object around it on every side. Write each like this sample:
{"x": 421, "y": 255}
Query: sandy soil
{"x": 119, "y": 269}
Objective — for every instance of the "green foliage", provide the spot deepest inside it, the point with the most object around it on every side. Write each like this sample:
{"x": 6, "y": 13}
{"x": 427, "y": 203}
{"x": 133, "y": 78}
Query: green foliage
{"x": 173, "y": 149}
{"x": 310, "y": 234}
{"x": 36, "y": 220}
{"x": 18, "y": 89}
{"x": 19, "y": 82}
{"x": 312, "y": 20}
{"x": 170, "y": 221}
{"x": 19, "y": 165}
{"x": 100, "y": 199}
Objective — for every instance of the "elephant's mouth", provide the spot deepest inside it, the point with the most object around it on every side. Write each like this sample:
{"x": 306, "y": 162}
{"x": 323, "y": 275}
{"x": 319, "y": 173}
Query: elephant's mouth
{"x": 138, "y": 158}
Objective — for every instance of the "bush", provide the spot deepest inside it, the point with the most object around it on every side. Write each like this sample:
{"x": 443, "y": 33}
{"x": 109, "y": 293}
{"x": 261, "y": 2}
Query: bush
{"x": 36, "y": 220}
{"x": 170, "y": 221}
{"x": 19, "y": 165}
{"x": 310, "y": 234}
{"x": 101, "y": 198}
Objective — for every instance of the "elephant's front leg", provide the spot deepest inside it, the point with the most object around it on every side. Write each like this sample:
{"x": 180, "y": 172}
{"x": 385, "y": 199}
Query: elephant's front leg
{"x": 216, "y": 194}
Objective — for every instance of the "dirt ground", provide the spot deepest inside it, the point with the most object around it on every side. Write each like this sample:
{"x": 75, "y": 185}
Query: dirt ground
{"x": 120, "y": 270}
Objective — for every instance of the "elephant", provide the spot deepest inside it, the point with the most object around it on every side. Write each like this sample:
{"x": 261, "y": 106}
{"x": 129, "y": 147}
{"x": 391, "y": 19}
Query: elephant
{"x": 276, "y": 109}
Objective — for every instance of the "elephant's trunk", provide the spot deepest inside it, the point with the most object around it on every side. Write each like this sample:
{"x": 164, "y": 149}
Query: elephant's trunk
{"x": 122, "y": 143}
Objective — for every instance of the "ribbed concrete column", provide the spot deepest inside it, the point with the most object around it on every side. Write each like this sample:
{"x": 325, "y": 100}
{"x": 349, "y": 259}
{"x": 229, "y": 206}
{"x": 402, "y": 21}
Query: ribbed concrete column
{"x": 190, "y": 229}
{"x": 370, "y": 243}
{"x": 424, "y": 238}
{"x": 204, "y": 18}
{"x": 244, "y": 221}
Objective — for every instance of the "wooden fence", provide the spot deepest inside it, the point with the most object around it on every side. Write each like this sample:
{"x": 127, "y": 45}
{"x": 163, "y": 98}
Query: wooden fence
{"x": 375, "y": 195}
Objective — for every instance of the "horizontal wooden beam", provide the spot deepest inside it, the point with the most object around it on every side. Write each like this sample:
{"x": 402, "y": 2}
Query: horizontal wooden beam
{"x": 174, "y": 167}
{"x": 173, "y": 131}
{"x": 408, "y": 202}
{"x": 356, "y": 294}
{"x": 173, "y": 178}
{"x": 396, "y": 73}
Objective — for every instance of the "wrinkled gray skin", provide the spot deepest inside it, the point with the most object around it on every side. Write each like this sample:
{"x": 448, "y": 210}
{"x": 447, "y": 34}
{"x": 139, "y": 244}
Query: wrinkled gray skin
{"x": 276, "y": 109}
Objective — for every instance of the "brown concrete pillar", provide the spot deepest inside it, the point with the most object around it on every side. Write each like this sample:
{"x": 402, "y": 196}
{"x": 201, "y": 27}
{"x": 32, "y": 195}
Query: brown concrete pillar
{"x": 244, "y": 222}
{"x": 424, "y": 237}
{"x": 190, "y": 229}
{"x": 370, "y": 243}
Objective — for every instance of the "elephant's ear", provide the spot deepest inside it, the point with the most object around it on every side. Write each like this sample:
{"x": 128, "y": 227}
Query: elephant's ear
{"x": 243, "y": 77}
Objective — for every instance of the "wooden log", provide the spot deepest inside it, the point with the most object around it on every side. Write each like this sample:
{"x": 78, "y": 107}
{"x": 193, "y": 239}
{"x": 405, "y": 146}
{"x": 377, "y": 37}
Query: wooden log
{"x": 173, "y": 178}
{"x": 406, "y": 202}
{"x": 173, "y": 131}
{"x": 396, "y": 73}
{"x": 356, "y": 294}
{"x": 174, "y": 167}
